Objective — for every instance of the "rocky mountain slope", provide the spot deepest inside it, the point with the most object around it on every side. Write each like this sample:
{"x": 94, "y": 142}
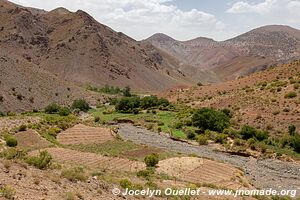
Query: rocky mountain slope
{"x": 268, "y": 100}
{"x": 76, "y": 48}
{"x": 239, "y": 56}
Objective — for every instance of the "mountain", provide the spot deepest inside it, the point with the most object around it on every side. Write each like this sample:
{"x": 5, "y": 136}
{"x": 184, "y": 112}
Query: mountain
{"x": 53, "y": 53}
{"x": 78, "y": 49}
{"x": 239, "y": 56}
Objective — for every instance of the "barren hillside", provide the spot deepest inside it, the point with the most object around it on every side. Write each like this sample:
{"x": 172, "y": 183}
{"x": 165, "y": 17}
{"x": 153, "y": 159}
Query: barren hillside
{"x": 76, "y": 48}
{"x": 250, "y": 52}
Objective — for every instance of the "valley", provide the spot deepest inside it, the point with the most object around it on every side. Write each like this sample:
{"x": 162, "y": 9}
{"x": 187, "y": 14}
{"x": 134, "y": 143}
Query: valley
{"x": 87, "y": 112}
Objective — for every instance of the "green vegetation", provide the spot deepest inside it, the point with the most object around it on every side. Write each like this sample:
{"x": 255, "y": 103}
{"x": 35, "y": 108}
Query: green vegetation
{"x": 80, "y": 104}
{"x": 151, "y": 160}
{"x": 208, "y": 118}
{"x": 8, "y": 192}
{"x": 290, "y": 95}
{"x": 111, "y": 148}
{"x": 10, "y": 140}
{"x": 134, "y": 104}
{"x": 42, "y": 161}
{"x": 74, "y": 174}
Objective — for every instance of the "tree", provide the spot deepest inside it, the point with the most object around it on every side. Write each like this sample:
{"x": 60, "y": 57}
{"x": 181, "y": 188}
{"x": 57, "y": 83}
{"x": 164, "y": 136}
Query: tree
{"x": 151, "y": 160}
{"x": 248, "y": 132}
{"x": 127, "y": 104}
{"x": 52, "y": 108}
{"x": 292, "y": 130}
{"x": 81, "y": 104}
{"x": 149, "y": 102}
{"x": 127, "y": 91}
{"x": 208, "y": 118}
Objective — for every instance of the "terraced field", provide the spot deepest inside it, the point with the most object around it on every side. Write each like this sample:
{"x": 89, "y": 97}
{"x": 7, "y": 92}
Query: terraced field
{"x": 92, "y": 160}
{"x": 203, "y": 171}
{"x": 81, "y": 134}
{"x": 30, "y": 139}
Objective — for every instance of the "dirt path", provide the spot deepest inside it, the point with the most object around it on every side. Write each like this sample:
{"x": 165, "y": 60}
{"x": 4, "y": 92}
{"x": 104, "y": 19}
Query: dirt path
{"x": 264, "y": 173}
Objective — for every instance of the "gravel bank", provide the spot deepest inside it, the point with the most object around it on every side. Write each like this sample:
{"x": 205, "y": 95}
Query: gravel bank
{"x": 264, "y": 173}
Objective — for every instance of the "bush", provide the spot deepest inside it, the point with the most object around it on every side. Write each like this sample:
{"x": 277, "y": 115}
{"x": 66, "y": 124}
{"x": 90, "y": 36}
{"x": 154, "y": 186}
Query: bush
{"x": 8, "y": 192}
{"x": 190, "y": 135}
{"x": 208, "y": 118}
{"x": 290, "y": 95}
{"x": 74, "y": 174}
{"x": 295, "y": 143}
{"x": 261, "y": 135}
{"x": 146, "y": 174}
{"x": 202, "y": 140}
{"x": 97, "y": 119}
{"x": 11, "y": 141}
{"x": 149, "y": 102}
{"x": 127, "y": 104}
{"x": 227, "y": 112}
{"x": 22, "y": 128}
{"x": 52, "y": 108}
{"x": 81, "y": 104}
{"x": 127, "y": 92}
{"x": 12, "y": 153}
{"x": 42, "y": 161}
{"x": 163, "y": 102}
{"x": 247, "y": 132}
{"x": 220, "y": 138}
{"x": 292, "y": 130}
{"x": 151, "y": 160}
{"x": 125, "y": 183}
{"x": 65, "y": 111}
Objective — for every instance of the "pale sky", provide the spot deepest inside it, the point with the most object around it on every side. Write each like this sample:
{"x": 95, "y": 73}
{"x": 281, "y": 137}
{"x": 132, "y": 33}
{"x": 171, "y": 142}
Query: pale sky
{"x": 182, "y": 19}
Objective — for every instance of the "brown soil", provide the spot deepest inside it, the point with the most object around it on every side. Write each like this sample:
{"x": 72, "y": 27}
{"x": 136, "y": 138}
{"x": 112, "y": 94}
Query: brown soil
{"x": 81, "y": 134}
{"x": 203, "y": 171}
{"x": 30, "y": 139}
{"x": 92, "y": 160}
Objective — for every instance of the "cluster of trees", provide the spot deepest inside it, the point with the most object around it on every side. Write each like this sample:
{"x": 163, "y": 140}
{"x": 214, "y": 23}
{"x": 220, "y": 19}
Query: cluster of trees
{"x": 215, "y": 124}
{"x": 134, "y": 104}
{"x": 78, "y": 104}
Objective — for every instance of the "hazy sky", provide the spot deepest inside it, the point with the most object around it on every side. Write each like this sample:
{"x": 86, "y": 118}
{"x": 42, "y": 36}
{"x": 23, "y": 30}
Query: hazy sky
{"x": 182, "y": 19}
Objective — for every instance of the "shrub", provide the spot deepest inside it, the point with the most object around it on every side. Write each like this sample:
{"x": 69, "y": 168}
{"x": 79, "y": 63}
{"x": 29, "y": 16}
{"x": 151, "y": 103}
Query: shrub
{"x": 125, "y": 183}
{"x": 127, "y": 104}
{"x": 8, "y": 192}
{"x": 64, "y": 111}
{"x": 42, "y": 161}
{"x": 227, "y": 112}
{"x": 52, "y": 108}
{"x": 2, "y": 114}
{"x": 22, "y": 128}
{"x": 74, "y": 174}
{"x": 146, "y": 174}
{"x": 12, "y": 153}
{"x": 207, "y": 118}
{"x": 247, "y": 132}
{"x": 202, "y": 140}
{"x": 261, "y": 135}
{"x": 220, "y": 138}
{"x": 163, "y": 102}
{"x": 151, "y": 160}
{"x": 290, "y": 95}
{"x": 149, "y": 102}
{"x": 11, "y": 141}
{"x": 295, "y": 143}
{"x": 97, "y": 119}
{"x": 81, "y": 104}
{"x": 191, "y": 135}
{"x": 292, "y": 129}
{"x": 54, "y": 131}
{"x": 127, "y": 91}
